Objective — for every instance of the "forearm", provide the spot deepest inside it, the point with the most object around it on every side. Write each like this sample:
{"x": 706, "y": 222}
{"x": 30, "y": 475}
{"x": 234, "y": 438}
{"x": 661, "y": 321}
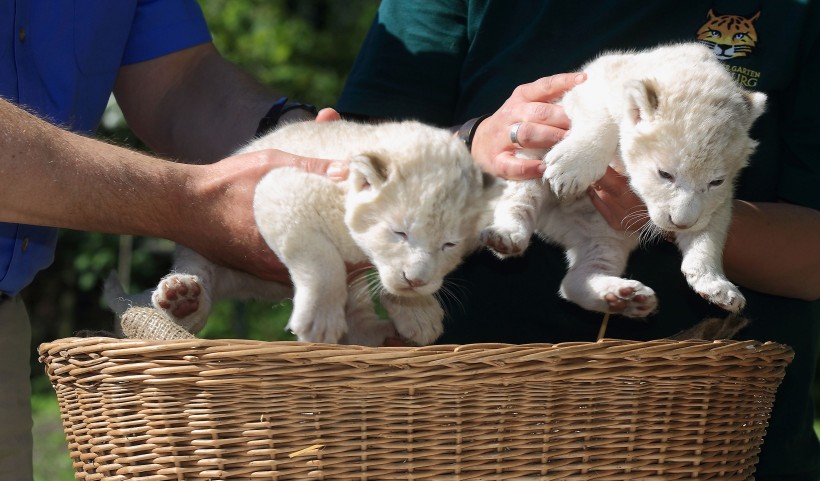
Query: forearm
{"x": 775, "y": 248}
{"x": 192, "y": 105}
{"x": 55, "y": 178}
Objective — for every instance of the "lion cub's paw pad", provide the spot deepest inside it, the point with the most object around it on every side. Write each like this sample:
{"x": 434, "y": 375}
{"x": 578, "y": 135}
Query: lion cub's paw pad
{"x": 178, "y": 295}
{"x": 631, "y": 300}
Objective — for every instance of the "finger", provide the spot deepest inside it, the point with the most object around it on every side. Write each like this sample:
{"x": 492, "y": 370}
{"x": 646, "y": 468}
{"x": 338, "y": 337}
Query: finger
{"x": 537, "y": 136}
{"x": 546, "y": 114}
{"x": 548, "y": 89}
{"x": 334, "y": 169}
{"x": 508, "y": 166}
{"x": 603, "y": 209}
{"x": 328, "y": 115}
{"x": 612, "y": 182}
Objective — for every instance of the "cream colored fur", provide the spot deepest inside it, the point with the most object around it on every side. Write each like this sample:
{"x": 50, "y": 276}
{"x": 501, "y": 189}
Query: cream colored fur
{"x": 672, "y": 120}
{"x": 410, "y": 206}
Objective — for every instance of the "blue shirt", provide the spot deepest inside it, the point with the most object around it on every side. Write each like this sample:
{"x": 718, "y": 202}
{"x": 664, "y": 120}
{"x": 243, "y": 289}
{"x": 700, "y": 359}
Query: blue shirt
{"x": 59, "y": 60}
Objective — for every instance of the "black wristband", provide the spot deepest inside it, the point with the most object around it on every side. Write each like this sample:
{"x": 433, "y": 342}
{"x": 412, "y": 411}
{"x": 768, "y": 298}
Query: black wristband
{"x": 466, "y": 131}
{"x": 279, "y": 108}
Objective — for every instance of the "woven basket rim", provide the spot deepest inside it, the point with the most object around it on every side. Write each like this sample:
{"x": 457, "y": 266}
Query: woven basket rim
{"x": 665, "y": 349}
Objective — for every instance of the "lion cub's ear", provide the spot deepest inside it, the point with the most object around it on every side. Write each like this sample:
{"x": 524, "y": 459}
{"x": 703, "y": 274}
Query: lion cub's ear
{"x": 642, "y": 100}
{"x": 367, "y": 171}
{"x": 756, "y": 102}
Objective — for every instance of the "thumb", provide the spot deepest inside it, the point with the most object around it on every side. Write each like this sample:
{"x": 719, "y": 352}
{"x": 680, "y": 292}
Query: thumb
{"x": 336, "y": 170}
{"x": 328, "y": 115}
{"x": 508, "y": 166}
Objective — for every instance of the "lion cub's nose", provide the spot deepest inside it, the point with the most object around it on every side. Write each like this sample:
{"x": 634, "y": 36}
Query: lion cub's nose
{"x": 413, "y": 282}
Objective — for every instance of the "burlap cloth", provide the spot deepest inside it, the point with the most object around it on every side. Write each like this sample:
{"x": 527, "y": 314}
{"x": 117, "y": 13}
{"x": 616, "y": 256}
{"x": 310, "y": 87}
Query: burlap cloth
{"x": 149, "y": 323}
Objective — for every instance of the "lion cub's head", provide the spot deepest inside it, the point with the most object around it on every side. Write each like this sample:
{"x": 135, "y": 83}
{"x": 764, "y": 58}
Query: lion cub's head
{"x": 684, "y": 140}
{"x": 413, "y": 205}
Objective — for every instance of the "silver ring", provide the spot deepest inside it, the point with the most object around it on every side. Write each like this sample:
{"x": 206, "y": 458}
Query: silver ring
{"x": 514, "y": 133}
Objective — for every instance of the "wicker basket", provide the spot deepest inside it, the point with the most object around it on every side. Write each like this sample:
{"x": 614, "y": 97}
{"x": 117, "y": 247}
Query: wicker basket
{"x": 237, "y": 409}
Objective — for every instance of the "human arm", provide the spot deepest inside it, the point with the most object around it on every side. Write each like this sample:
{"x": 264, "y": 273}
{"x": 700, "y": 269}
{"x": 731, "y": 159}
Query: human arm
{"x": 197, "y": 107}
{"x": 772, "y": 247}
{"x": 55, "y": 178}
{"x": 194, "y": 105}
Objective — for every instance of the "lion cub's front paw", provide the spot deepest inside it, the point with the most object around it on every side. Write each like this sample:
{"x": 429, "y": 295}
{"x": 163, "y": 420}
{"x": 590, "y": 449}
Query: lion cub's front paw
{"x": 718, "y": 290}
{"x": 505, "y": 242}
{"x": 326, "y": 327}
{"x": 417, "y": 319}
{"x": 570, "y": 169}
{"x": 183, "y": 299}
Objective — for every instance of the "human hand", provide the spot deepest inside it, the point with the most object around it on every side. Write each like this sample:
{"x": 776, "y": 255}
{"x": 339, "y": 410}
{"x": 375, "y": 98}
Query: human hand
{"x": 216, "y": 212}
{"x": 617, "y": 203}
{"x": 239, "y": 175}
{"x": 543, "y": 125}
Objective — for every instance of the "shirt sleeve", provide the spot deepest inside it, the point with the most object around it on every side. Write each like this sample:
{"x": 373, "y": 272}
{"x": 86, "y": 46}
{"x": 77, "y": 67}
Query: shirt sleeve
{"x": 161, "y": 27}
{"x": 422, "y": 41}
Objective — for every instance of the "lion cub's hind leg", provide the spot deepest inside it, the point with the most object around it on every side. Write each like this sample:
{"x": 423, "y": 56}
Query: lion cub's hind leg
{"x": 593, "y": 279}
{"x": 187, "y": 294}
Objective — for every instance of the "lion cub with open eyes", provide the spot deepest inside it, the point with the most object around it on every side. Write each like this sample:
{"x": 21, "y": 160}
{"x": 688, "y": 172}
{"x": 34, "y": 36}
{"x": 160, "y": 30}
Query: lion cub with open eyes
{"x": 411, "y": 207}
{"x": 674, "y": 122}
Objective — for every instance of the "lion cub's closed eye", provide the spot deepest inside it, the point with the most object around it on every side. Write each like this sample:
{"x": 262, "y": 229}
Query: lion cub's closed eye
{"x": 674, "y": 122}
{"x": 410, "y": 207}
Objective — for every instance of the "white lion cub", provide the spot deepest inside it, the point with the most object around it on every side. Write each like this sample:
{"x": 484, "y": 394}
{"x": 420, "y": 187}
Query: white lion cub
{"x": 410, "y": 206}
{"x": 671, "y": 119}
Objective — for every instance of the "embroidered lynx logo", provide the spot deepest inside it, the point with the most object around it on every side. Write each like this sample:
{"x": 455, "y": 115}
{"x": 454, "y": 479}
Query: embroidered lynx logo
{"x": 729, "y": 36}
